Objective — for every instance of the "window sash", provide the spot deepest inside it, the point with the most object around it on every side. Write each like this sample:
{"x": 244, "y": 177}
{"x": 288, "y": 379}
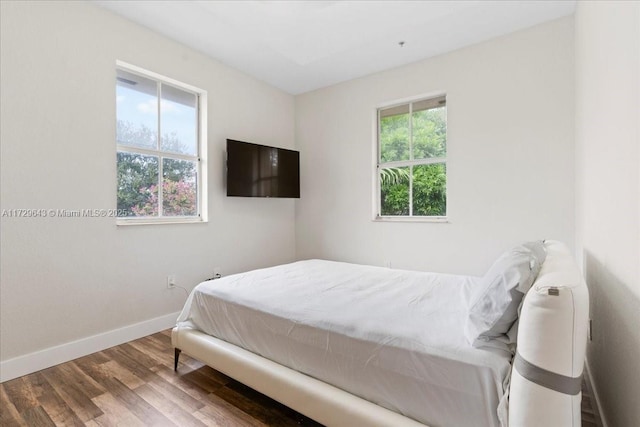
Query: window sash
{"x": 172, "y": 154}
{"x": 400, "y": 163}
{"x": 418, "y": 105}
{"x": 200, "y": 135}
{"x": 397, "y": 109}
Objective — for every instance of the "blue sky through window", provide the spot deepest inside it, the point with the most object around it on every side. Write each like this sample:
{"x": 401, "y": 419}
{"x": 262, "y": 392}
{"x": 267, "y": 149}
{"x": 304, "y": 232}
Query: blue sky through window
{"x": 178, "y": 120}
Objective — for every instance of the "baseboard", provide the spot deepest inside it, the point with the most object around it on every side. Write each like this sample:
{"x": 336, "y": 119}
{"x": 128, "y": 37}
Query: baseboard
{"x": 36, "y": 361}
{"x": 596, "y": 397}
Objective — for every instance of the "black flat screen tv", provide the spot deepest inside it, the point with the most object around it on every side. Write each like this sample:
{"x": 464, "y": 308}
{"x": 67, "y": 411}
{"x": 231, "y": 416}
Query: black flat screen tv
{"x": 260, "y": 171}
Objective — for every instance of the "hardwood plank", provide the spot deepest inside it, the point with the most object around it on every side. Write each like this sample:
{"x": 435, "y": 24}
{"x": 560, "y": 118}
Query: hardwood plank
{"x": 589, "y": 408}
{"x": 139, "y": 356}
{"x": 137, "y": 405}
{"x": 188, "y": 364}
{"x": 75, "y": 375}
{"x": 57, "y": 409}
{"x": 38, "y": 385}
{"x": 93, "y": 367}
{"x": 154, "y": 345}
{"x": 98, "y": 357}
{"x": 9, "y": 415}
{"x": 170, "y": 409}
{"x": 159, "y": 355}
{"x": 213, "y": 375}
{"x": 586, "y": 402}
{"x": 74, "y": 396}
{"x": 202, "y": 380}
{"x": 158, "y": 341}
{"x": 21, "y": 394}
{"x": 37, "y": 417}
{"x": 134, "y": 366}
{"x": 115, "y": 413}
{"x": 256, "y": 404}
{"x": 588, "y": 418}
{"x": 170, "y": 391}
{"x": 207, "y": 419}
{"x": 281, "y": 413}
{"x": 177, "y": 381}
{"x": 163, "y": 338}
{"x": 223, "y": 414}
{"x": 126, "y": 377}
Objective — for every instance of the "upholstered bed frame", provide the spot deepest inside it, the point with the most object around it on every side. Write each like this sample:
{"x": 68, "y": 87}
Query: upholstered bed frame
{"x": 545, "y": 379}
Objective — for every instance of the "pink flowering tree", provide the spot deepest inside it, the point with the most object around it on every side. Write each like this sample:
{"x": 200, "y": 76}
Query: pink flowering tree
{"x": 178, "y": 199}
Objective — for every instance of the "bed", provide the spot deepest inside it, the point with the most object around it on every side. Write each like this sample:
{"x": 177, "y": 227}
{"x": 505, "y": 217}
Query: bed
{"x": 349, "y": 344}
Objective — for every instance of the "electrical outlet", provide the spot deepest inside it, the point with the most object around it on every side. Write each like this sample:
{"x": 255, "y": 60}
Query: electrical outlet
{"x": 171, "y": 281}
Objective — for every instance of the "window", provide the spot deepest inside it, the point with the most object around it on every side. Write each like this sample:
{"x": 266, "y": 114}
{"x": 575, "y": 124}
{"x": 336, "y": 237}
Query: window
{"x": 412, "y": 164}
{"x": 160, "y": 142}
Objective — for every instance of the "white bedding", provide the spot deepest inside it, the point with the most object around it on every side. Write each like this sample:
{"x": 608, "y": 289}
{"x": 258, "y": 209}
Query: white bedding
{"x": 393, "y": 337}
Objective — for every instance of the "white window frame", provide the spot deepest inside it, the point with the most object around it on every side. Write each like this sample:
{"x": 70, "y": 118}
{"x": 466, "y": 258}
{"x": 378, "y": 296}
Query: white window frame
{"x": 377, "y": 200}
{"x": 200, "y": 158}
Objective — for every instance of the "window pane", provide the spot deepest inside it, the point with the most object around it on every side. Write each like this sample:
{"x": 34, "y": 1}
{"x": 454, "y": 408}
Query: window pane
{"x": 179, "y": 191}
{"x": 137, "y": 184}
{"x": 394, "y": 191}
{"x": 394, "y": 134}
{"x": 178, "y": 120}
{"x": 136, "y": 110}
{"x": 430, "y": 133}
{"x": 430, "y": 190}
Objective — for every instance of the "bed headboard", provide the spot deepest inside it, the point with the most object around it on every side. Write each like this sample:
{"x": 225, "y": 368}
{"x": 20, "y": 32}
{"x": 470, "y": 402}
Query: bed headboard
{"x": 546, "y": 376}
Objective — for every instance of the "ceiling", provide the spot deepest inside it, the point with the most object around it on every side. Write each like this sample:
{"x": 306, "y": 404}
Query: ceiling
{"x": 299, "y": 46}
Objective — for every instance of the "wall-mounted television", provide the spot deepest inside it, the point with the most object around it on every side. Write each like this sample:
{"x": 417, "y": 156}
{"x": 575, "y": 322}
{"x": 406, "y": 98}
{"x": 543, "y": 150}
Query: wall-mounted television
{"x": 260, "y": 171}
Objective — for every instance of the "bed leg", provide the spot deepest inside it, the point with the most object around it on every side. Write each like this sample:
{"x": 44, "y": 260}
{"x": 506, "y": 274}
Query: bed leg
{"x": 176, "y": 356}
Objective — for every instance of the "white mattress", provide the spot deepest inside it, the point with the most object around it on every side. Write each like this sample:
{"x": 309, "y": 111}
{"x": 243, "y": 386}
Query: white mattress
{"x": 393, "y": 337}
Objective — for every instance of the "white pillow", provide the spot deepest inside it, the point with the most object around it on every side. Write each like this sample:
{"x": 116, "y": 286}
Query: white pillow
{"x": 493, "y": 307}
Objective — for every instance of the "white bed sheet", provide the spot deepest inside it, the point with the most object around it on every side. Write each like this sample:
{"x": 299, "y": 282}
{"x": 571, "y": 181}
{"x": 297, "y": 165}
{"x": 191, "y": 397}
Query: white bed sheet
{"x": 393, "y": 337}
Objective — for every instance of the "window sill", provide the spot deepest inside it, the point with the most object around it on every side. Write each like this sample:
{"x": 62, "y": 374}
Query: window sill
{"x": 158, "y": 221}
{"x": 432, "y": 219}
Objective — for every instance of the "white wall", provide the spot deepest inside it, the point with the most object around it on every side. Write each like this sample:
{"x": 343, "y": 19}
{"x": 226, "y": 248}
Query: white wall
{"x": 510, "y": 149}
{"x": 68, "y": 279}
{"x": 607, "y": 43}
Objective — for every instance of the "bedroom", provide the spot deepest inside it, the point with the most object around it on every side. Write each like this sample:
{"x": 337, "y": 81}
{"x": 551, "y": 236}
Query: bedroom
{"x": 72, "y": 286}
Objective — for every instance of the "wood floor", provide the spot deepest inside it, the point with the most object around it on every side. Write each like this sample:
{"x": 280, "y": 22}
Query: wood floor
{"x": 134, "y": 384}
{"x": 590, "y": 415}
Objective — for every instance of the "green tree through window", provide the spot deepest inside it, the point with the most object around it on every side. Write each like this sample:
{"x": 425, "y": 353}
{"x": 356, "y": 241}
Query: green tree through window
{"x": 412, "y": 142}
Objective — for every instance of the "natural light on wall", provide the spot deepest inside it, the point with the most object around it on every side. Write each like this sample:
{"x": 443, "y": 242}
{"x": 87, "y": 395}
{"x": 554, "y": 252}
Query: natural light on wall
{"x": 411, "y": 165}
{"x": 159, "y": 149}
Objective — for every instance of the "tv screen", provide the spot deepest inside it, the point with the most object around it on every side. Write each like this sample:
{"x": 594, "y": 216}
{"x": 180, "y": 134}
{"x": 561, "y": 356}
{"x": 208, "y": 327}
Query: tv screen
{"x": 259, "y": 171}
